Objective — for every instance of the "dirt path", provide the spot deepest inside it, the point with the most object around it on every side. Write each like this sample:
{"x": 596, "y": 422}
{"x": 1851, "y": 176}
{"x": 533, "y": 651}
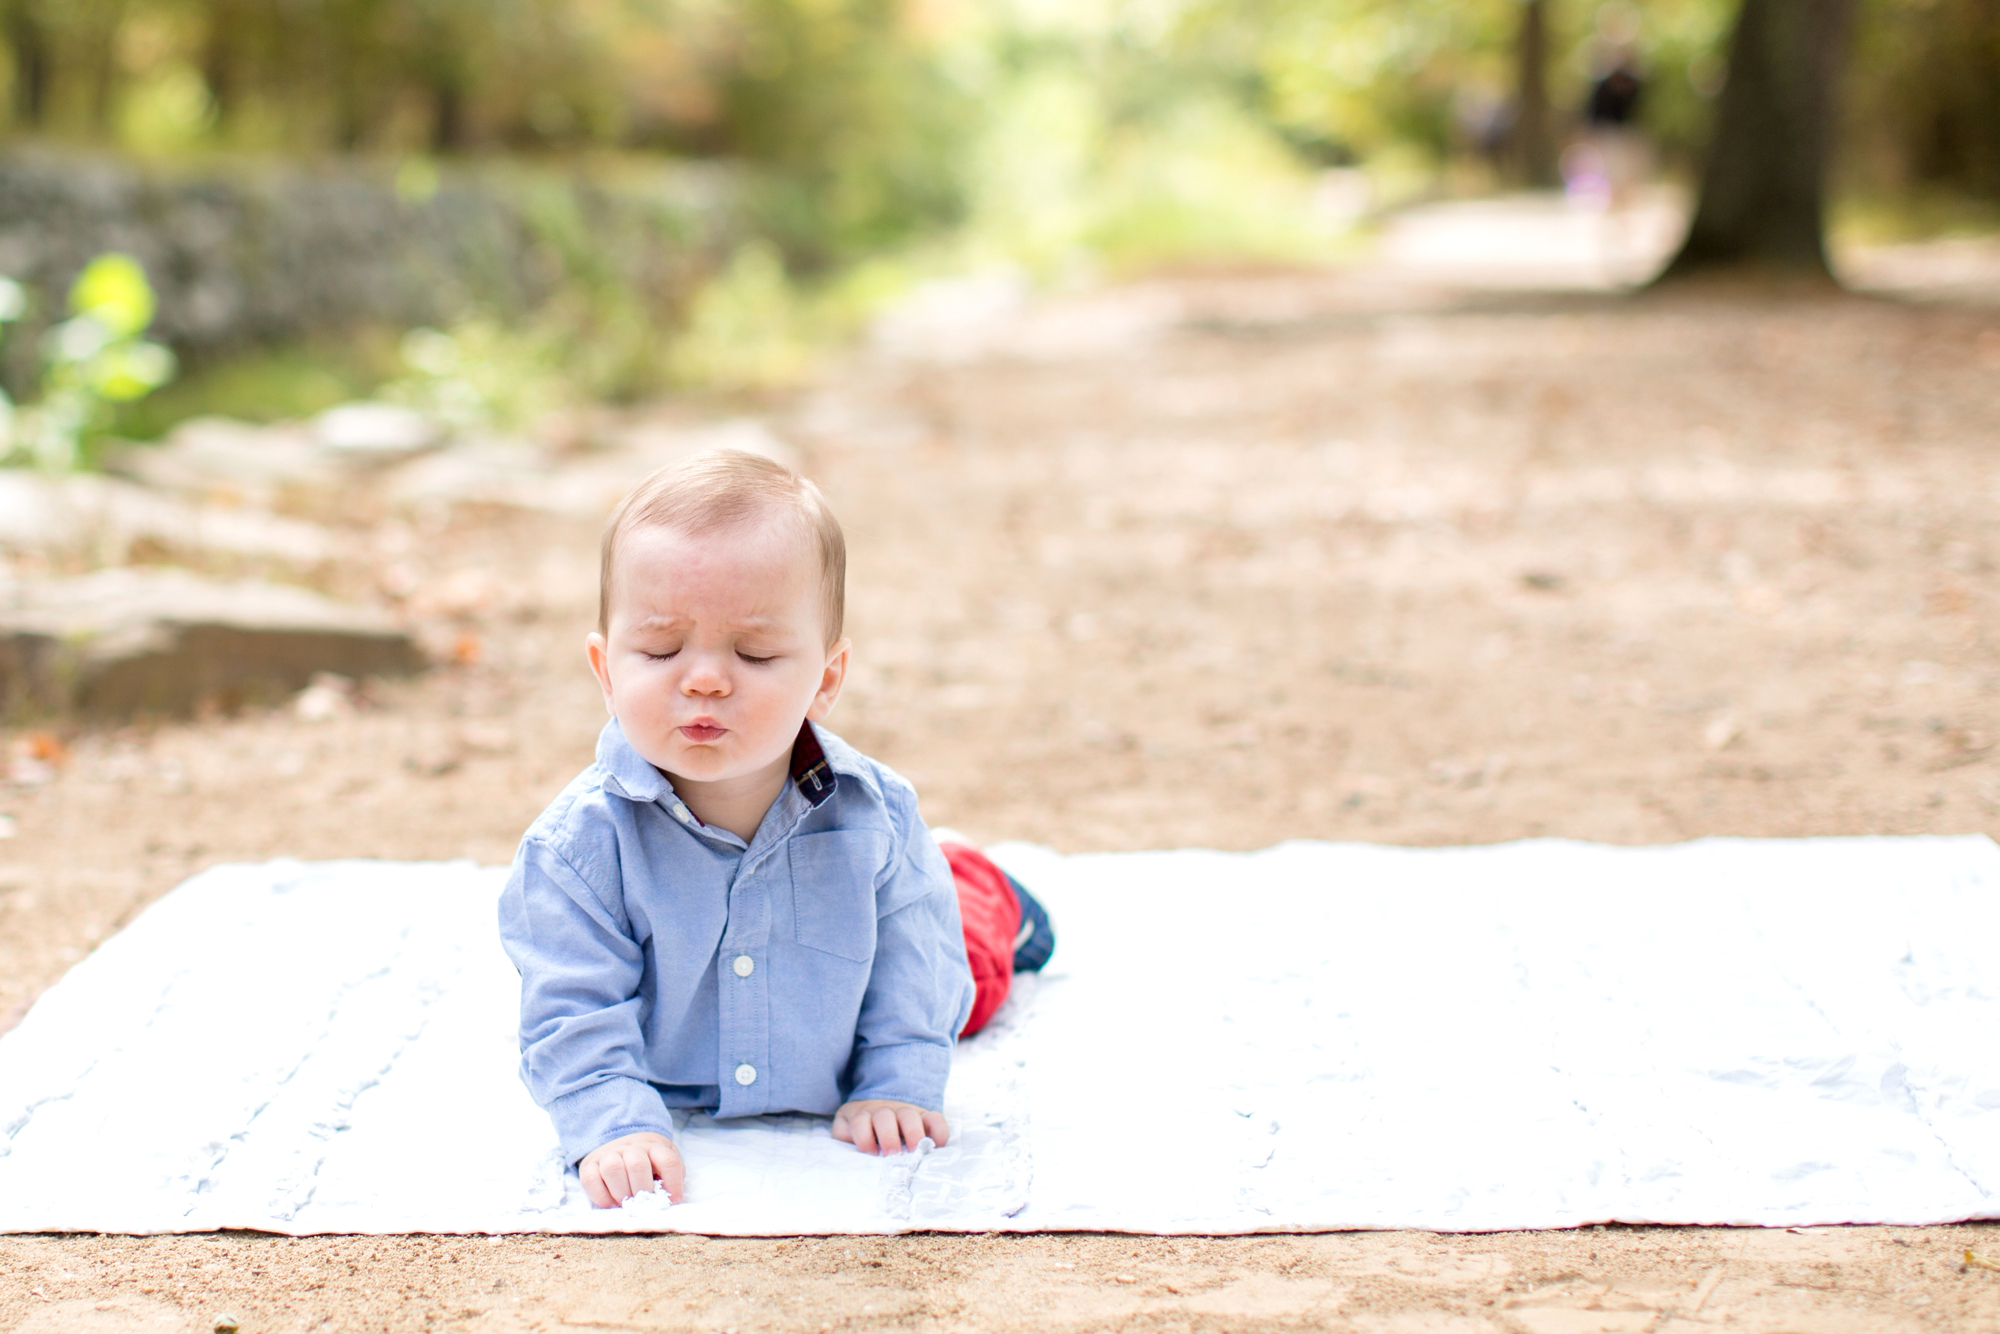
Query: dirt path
{"x": 1217, "y": 561}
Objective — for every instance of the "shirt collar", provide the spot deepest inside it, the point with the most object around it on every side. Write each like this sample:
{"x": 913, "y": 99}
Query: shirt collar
{"x": 811, "y": 773}
{"x": 633, "y": 776}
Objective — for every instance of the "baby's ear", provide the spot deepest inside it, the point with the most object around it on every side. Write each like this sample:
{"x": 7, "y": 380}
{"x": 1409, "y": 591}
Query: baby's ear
{"x": 600, "y": 665}
{"x": 830, "y": 681}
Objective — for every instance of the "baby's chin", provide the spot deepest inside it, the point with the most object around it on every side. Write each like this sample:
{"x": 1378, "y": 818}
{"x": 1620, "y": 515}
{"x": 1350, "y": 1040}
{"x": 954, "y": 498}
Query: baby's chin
{"x": 710, "y": 762}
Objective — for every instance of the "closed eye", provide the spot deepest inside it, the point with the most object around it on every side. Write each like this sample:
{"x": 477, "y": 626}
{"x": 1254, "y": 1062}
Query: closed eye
{"x": 663, "y": 657}
{"x": 757, "y": 661}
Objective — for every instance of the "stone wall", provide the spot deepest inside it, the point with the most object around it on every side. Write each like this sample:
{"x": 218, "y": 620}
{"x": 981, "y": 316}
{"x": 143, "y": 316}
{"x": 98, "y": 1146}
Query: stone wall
{"x": 242, "y": 253}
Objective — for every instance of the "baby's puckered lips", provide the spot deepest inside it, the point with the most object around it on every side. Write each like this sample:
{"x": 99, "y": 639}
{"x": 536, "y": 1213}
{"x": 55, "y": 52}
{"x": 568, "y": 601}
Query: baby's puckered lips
{"x": 703, "y": 729}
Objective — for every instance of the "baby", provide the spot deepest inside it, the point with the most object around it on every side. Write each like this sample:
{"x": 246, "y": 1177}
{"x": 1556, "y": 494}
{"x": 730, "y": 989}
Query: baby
{"x": 732, "y": 909}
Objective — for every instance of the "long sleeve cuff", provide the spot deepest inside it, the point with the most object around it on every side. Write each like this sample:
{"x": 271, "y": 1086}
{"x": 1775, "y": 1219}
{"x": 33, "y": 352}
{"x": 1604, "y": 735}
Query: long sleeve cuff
{"x": 599, "y": 1113}
{"x": 912, "y": 1072}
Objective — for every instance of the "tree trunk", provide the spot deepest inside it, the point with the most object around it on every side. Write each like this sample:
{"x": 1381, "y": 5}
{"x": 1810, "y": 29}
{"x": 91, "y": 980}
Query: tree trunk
{"x": 1763, "y": 185}
{"x": 448, "y": 129}
{"x": 222, "y": 61}
{"x": 104, "y": 66}
{"x": 359, "y": 48}
{"x": 1534, "y": 124}
{"x": 30, "y": 43}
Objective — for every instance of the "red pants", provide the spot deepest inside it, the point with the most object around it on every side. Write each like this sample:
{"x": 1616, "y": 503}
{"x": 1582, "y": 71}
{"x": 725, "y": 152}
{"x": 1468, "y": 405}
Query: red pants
{"x": 992, "y": 917}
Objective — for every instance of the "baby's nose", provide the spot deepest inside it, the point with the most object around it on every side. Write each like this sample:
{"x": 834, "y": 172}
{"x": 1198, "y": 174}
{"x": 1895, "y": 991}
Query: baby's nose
{"x": 705, "y": 679}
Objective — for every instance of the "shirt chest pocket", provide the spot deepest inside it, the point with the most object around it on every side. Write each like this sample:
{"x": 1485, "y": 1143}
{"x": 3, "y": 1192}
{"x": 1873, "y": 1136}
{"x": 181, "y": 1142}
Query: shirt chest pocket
{"x": 833, "y": 891}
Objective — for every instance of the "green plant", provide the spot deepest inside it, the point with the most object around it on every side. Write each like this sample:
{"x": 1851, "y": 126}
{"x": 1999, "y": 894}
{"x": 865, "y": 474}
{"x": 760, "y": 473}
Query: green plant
{"x": 480, "y": 374}
{"x": 748, "y": 328}
{"x": 91, "y": 362}
{"x": 286, "y": 382}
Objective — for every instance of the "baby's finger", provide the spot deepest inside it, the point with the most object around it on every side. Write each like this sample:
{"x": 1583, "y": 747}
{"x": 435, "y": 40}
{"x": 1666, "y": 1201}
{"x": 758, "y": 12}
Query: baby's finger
{"x": 888, "y": 1139}
{"x": 612, "y": 1165}
{"x": 861, "y": 1131}
{"x": 667, "y": 1166}
{"x": 910, "y": 1120}
{"x": 937, "y": 1128}
{"x": 593, "y": 1185}
{"x": 638, "y": 1169}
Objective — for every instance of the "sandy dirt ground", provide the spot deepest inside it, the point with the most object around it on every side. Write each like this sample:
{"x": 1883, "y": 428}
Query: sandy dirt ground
{"x": 1213, "y": 560}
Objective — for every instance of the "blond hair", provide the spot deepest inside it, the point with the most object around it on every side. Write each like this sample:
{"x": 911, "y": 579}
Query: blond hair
{"x": 721, "y": 489}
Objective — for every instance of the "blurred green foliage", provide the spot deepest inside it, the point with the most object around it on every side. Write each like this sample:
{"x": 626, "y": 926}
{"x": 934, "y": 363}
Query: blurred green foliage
{"x": 874, "y": 143}
{"x": 841, "y": 101}
{"x": 92, "y": 362}
{"x": 1924, "y": 115}
{"x": 266, "y": 385}
{"x": 873, "y": 121}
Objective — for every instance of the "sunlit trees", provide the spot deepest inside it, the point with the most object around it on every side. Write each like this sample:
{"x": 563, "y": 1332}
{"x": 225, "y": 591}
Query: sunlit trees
{"x": 1925, "y": 94}
{"x": 863, "y": 119}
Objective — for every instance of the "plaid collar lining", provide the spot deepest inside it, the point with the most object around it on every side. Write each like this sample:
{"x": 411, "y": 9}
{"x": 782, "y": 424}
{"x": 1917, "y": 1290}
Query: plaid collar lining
{"x": 813, "y": 776}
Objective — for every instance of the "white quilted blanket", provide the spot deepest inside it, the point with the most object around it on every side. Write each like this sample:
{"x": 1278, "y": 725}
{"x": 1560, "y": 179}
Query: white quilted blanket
{"x": 1317, "y": 1036}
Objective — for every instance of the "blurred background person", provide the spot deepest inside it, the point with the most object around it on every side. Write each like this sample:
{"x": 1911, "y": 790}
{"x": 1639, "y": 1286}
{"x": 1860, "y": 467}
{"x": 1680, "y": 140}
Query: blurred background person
{"x": 1611, "y": 160}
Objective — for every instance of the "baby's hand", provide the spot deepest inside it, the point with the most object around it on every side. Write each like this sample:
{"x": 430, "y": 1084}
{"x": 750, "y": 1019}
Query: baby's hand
{"x": 613, "y": 1173}
{"x": 877, "y": 1126}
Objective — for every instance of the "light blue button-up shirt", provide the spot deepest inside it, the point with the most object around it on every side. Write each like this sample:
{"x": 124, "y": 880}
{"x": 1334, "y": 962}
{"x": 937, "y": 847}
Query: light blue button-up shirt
{"x": 665, "y": 963}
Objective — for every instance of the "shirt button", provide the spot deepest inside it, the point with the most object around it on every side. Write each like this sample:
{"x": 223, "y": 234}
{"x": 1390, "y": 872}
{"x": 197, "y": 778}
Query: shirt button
{"x": 746, "y": 1075}
{"x": 744, "y": 965}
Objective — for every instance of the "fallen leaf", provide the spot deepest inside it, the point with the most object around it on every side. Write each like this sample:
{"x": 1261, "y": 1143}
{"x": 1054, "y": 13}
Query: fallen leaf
{"x": 45, "y": 746}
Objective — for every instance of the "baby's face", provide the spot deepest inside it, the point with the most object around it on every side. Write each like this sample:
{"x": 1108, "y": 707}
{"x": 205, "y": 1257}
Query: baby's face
{"x": 714, "y": 651}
